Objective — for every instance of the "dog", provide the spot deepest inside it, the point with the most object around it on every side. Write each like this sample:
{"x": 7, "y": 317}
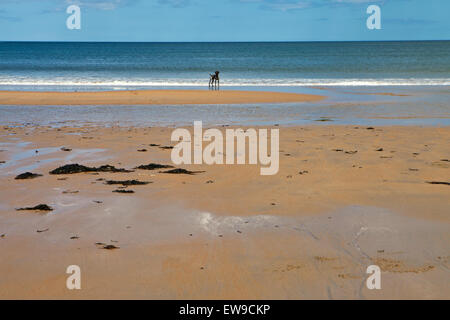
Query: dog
{"x": 214, "y": 79}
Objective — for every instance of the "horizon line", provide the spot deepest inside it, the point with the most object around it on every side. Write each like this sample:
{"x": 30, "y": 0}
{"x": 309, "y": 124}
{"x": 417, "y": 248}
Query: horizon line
{"x": 243, "y": 41}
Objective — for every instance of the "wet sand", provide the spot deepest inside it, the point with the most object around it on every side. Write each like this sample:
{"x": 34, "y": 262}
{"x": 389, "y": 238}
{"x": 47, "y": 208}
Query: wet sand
{"x": 308, "y": 232}
{"x": 150, "y": 97}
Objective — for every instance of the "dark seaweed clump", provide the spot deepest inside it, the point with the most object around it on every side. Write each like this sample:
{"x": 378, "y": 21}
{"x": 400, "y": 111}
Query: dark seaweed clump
{"x": 153, "y": 166}
{"x": 181, "y": 171}
{"x": 123, "y": 191}
{"x": 322, "y": 119}
{"x": 439, "y": 182}
{"x": 77, "y": 168}
{"x": 110, "y": 247}
{"x": 39, "y": 207}
{"x": 127, "y": 182}
{"x": 27, "y": 175}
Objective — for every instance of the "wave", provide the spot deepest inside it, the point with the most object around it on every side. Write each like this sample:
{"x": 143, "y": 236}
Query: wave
{"x": 226, "y": 82}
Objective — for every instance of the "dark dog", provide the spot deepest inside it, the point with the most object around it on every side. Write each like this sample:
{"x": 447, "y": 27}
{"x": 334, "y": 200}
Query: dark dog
{"x": 214, "y": 79}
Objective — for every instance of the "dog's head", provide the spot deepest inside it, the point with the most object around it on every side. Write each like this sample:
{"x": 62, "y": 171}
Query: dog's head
{"x": 217, "y": 73}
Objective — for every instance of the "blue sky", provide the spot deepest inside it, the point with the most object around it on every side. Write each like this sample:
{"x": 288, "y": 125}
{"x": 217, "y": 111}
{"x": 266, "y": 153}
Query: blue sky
{"x": 223, "y": 20}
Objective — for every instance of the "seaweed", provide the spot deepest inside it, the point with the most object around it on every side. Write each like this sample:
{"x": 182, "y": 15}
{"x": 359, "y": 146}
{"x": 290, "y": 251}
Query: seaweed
{"x": 27, "y": 175}
{"x": 39, "y": 207}
{"x": 78, "y": 168}
{"x": 123, "y": 191}
{"x": 127, "y": 182}
{"x": 439, "y": 182}
{"x": 153, "y": 166}
{"x": 322, "y": 119}
{"x": 110, "y": 247}
{"x": 181, "y": 171}
{"x": 69, "y": 191}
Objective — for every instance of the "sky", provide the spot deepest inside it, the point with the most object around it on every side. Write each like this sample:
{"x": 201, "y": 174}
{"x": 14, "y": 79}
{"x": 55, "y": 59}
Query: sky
{"x": 224, "y": 20}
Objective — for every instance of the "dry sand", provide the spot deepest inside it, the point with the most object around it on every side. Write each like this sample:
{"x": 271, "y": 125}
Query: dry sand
{"x": 228, "y": 232}
{"x": 149, "y": 97}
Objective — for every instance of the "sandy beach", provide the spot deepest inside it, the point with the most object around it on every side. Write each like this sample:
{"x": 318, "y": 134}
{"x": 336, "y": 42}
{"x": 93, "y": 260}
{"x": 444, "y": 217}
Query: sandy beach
{"x": 345, "y": 197}
{"x": 150, "y": 97}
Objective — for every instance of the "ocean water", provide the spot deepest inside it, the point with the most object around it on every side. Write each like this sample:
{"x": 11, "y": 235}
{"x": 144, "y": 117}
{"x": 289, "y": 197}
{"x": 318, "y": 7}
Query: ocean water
{"x": 414, "y": 105}
{"x": 93, "y": 66}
